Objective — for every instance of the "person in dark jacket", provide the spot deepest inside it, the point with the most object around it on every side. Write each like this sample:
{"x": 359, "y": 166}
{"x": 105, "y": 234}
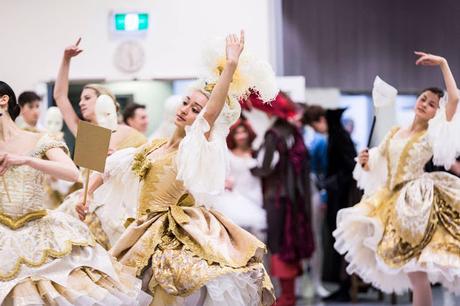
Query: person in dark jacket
{"x": 285, "y": 172}
{"x": 339, "y": 183}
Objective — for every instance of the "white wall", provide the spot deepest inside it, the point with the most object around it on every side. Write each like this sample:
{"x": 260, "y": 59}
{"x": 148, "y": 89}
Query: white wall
{"x": 34, "y": 33}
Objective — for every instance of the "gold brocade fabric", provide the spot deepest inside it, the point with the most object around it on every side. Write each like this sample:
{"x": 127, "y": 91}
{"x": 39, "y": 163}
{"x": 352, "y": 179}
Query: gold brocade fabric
{"x": 419, "y": 212}
{"x": 184, "y": 244}
{"x": 29, "y": 234}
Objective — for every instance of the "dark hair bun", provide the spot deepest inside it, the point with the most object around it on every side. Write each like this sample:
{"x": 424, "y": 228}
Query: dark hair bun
{"x": 13, "y": 107}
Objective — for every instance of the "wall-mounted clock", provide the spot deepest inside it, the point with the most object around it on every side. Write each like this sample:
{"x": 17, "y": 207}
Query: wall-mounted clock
{"x": 129, "y": 57}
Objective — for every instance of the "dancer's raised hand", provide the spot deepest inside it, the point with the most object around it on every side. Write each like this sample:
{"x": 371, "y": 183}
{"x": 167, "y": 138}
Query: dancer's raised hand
{"x": 73, "y": 50}
{"x": 234, "y": 47}
{"x": 427, "y": 59}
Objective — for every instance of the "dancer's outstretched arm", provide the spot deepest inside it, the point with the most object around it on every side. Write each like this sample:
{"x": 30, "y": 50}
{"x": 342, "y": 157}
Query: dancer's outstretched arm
{"x": 61, "y": 88}
{"x": 449, "y": 80}
{"x": 58, "y": 165}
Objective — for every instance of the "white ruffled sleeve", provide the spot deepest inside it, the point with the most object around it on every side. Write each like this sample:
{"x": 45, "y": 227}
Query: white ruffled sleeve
{"x": 119, "y": 163}
{"x": 377, "y": 175}
{"x": 444, "y": 138}
{"x": 203, "y": 163}
{"x": 116, "y": 200}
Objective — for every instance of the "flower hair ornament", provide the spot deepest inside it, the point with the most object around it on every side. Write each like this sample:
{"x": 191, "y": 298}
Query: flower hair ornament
{"x": 253, "y": 76}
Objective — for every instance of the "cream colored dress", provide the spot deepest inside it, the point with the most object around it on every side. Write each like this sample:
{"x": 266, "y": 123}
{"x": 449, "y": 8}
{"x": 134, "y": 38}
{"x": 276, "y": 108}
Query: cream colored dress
{"x": 408, "y": 220}
{"x": 179, "y": 246}
{"x": 50, "y": 258}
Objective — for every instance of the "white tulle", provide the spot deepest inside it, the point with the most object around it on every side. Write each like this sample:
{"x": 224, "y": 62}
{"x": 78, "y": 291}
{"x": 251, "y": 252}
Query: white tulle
{"x": 234, "y": 289}
{"x": 116, "y": 200}
{"x": 202, "y": 163}
{"x": 374, "y": 178}
{"x": 241, "y": 210}
{"x": 357, "y": 236}
{"x": 444, "y": 137}
{"x": 243, "y": 204}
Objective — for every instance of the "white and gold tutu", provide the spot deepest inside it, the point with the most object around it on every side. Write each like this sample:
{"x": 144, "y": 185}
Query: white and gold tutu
{"x": 408, "y": 220}
{"x": 51, "y": 258}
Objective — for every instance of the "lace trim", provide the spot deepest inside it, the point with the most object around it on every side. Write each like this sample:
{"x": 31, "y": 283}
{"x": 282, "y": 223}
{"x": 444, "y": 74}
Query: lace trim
{"x": 15, "y": 223}
{"x": 47, "y": 253}
{"x": 42, "y": 149}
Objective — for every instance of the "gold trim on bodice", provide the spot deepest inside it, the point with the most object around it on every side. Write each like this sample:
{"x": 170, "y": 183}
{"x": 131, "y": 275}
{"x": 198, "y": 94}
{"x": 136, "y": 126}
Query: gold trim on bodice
{"x": 394, "y": 180}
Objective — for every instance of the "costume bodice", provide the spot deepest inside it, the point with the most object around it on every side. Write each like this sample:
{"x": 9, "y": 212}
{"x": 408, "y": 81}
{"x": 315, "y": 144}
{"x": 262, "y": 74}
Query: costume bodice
{"x": 406, "y": 157}
{"x": 159, "y": 185}
{"x": 24, "y": 196}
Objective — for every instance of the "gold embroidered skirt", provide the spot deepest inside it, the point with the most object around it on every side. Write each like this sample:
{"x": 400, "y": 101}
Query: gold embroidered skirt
{"x": 187, "y": 248}
{"x": 54, "y": 260}
{"x": 414, "y": 227}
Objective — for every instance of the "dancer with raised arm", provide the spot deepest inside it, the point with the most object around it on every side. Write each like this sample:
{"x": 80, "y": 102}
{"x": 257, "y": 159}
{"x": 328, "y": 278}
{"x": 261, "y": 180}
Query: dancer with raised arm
{"x": 185, "y": 252}
{"x": 48, "y": 257}
{"x": 105, "y": 230}
{"x": 404, "y": 233}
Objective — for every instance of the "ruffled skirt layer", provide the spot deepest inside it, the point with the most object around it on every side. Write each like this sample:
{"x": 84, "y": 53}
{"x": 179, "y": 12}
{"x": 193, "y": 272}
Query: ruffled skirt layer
{"x": 382, "y": 249}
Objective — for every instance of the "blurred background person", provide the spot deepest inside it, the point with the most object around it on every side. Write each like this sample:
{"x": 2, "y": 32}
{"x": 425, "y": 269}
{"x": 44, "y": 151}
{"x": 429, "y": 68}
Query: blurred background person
{"x": 285, "y": 172}
{"x": 242, "y": 201}
{"x": 339, "y": 184}
{"x": 30, "y": 103}
{"x": 317, "y": 147}
{"x": 135, "y": 116}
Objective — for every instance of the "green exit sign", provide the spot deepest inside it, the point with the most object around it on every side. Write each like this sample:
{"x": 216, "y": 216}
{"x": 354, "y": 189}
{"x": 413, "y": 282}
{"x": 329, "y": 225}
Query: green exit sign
{"x": 131, "y": 22}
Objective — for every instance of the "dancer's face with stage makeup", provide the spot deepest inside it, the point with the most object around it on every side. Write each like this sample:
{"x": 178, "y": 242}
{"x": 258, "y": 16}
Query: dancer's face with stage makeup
{"x": 427, "y": 105}
{"x": 192, "y": 105}
{"x": 87, "y": 104}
